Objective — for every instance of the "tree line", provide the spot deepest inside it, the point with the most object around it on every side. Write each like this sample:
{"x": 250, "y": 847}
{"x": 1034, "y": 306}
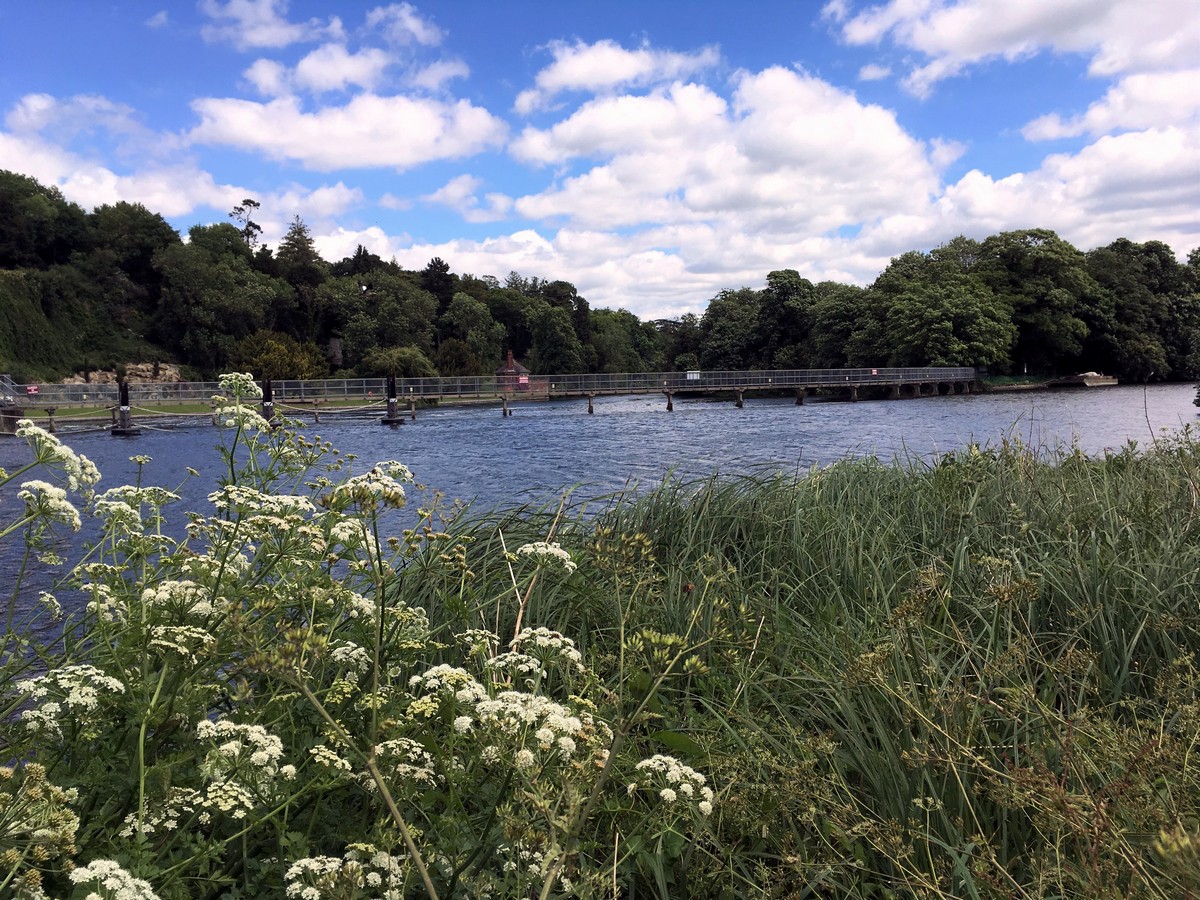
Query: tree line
{"x": 82, "y": 291}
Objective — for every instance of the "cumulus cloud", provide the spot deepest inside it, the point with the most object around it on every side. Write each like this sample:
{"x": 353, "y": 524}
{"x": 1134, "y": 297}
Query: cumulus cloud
{"x": 461, "y": 195}
{"x": 333, "y": 68}
{"x": 400, "y": 23}
{"x": 158, "y": 20}
{"x": 790, "y": 153}
{"x": 368, "y": 131}
{"x": 435, "y": 76}
{"x": 250, "y": 24}
{"x": 605, "y": 65}
{"x": 1119, "y": 35}
{"x": 1139, "y": 101}
{"x": 873, "y": 72}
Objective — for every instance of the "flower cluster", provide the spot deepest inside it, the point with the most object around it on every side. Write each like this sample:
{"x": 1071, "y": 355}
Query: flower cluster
{"x": 550, "y": 647}
{"x": 364, "y": 871}
{"x": 673, "y": 780}
{"x": 113, "y": 880}
{"x": 548, "y": 552}
{"x": 239, "y": 384}
{"x": 46, "y": 501}
{"x": 71, "y": 690}
{"x": 383, "y": 486}
{"x": 236, "y": 415}
{"x": 81, "y": 472}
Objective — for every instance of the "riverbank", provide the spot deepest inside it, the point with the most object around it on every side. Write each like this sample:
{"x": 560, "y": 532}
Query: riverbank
{"x": 965, "y": 676}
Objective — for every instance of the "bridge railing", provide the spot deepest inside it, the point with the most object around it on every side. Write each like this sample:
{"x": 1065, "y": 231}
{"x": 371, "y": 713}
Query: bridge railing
{"x": 368, "y": 390}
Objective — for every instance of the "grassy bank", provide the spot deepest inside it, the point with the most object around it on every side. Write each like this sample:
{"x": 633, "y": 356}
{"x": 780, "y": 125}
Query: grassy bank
{"x": 975, "y": 678}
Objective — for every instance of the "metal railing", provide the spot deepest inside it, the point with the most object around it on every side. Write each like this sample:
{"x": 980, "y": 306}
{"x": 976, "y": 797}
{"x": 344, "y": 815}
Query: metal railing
{"x": 367, "y": 390}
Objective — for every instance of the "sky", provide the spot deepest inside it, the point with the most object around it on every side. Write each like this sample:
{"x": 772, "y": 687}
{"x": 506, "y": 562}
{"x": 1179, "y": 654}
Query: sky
{"x": 652, "y": 153}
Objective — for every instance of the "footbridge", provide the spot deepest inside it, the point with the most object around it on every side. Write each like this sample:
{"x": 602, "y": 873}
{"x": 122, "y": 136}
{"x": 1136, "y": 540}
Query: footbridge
{"x": 387, "y": 395}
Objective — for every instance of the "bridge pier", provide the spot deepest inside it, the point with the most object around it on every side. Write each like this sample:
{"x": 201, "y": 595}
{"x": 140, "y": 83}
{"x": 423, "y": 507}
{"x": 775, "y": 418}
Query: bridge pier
{"x": 801, "y": 393}
{"x": 894, "y": 393}
{"x": 393, "y": 416}
{"x": 670, "y": 405}
{"x": 504, "y": 410}
{"x": 123, "y": 426}
{"x": 9, "y": 416}
{"x": 268, "y": 400}
{"x": 737, "y": 397}
{"x": 854, "y": 393}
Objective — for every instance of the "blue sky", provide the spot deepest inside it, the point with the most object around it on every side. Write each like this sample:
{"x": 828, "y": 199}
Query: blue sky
{"x": 652, "y": 153}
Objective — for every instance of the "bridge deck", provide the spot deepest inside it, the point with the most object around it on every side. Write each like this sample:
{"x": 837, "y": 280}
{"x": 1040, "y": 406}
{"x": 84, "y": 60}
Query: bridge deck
{"x": 512, "y": 387}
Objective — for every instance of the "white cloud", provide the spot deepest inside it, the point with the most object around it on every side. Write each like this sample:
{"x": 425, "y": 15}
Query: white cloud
{"x": 249, "y": 24}
{"x": 402, "y": 24}
{"x": 333, "y": 68}
{"x": 434, "y": 76}
{"x": 1139, "y": 101}
{"x": 460, "y": 194}
{"x": 791, "y": 154}
{"x": 269, "y": 78}
{"x": 1120, "y": 35}
{"x": 158, "y": 20}
{"x": 369, "y": 131}
{"x": 42, "y": 113}
{"x": 873, "y": 72}
{"x": 606, "y": 65}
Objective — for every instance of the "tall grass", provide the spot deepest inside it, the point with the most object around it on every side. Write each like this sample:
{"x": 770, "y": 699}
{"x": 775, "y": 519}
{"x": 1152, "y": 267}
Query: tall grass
{"x": 975, "y": 677}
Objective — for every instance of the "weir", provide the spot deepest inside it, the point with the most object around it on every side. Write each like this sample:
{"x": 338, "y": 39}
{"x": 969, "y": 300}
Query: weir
{"x": 317, "y": 397}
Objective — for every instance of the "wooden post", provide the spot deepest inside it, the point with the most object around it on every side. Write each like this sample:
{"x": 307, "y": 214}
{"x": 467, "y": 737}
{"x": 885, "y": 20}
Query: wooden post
{"x": 670, "y": 405}
{"x": 412, "y": 408}
{"x": 591, "y": 411}
{"x": 854, "y": 393}
{"x": 50, "y": 413}
{"x": 737, "y": 397}
{"x": 504, "y": 406}
{"x": 801, "y": 393}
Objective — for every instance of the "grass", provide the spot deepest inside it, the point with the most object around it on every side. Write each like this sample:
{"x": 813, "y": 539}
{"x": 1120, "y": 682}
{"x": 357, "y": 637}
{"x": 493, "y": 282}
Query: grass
{"x": 975, "y": 678}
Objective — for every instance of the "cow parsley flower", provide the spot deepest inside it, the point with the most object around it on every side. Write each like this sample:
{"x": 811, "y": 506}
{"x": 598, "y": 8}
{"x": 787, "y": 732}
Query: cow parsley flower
{"x": 548, "y": 552}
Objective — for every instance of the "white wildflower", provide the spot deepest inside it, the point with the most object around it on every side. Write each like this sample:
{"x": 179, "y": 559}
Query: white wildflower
{"x": 544, "y": 551}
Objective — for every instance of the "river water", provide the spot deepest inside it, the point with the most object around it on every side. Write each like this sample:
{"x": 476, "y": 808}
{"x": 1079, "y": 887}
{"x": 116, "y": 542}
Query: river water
{"x": 630, "y": 443}
{"x": 475, "y": 453}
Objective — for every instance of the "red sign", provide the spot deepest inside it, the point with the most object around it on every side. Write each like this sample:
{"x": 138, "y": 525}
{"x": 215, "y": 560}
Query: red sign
{"x": 31, "y": 388}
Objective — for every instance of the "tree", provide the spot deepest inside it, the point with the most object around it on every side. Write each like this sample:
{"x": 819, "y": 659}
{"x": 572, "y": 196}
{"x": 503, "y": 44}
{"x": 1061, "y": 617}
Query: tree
{"x": 728, "y": 330}
{"x": 1042, "y": 279}
{"x": 300, "y": 265}
{"x": 249, "y": 229}
{"x": 556, "y": 350}
{"x": 838, "y": 310}
{"x": 469, "y": 321}
{"x": 439, "y": 281}
{"x": 402, "y": 362}
{"x": 783, "y": 320}
{"x": 270, "y": 354}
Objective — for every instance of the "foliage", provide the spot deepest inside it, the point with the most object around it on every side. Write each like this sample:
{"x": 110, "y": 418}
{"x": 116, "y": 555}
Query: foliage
{"x": 258, "y": 707}
{"x": 119, "y": 284}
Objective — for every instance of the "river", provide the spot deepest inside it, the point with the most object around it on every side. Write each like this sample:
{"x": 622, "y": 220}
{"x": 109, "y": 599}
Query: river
{"x": 633, "y": 443}
{"x": 542, "y": 448}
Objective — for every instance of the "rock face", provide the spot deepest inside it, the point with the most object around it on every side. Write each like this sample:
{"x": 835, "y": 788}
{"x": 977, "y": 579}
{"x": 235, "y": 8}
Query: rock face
{"x": 134, "y": 372}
